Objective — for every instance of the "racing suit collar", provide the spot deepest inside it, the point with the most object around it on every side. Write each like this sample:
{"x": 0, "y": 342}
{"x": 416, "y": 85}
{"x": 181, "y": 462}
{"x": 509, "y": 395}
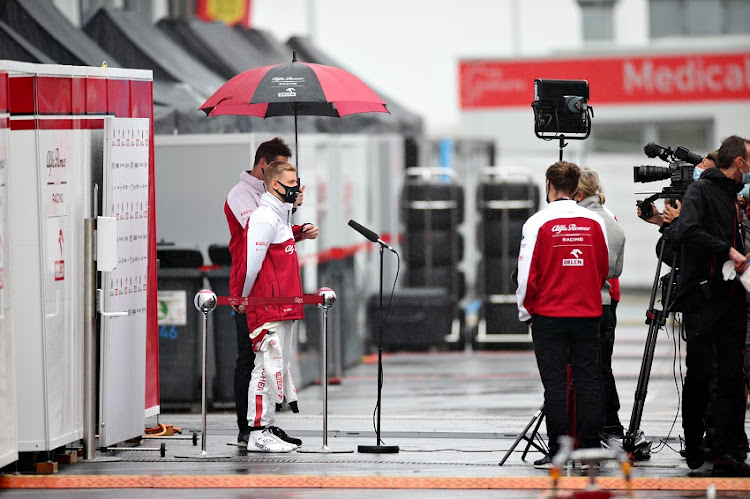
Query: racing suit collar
{"x": 283, "y": 210}
{"x": 256, "y": 183}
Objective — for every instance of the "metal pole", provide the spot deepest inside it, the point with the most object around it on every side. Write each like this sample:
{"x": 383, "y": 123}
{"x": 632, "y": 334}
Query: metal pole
{"x": 325, "y": 377}
{"x": 380, "y": 347}
{"x": 329, "y": 298}
{"x": 205, "y": 302}
{"x": 89, "y": 340}
{"x": 203, "y": 385}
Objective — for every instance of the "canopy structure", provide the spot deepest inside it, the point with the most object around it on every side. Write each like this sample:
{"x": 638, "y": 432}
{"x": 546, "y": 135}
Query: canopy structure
{"x": 15, "y": 48}
{"x": 38, "y": 32}
{"x": 408, "y": 122}
{"x": 180, "y": 81}
{"x": 46, "y": 28}
{"x": 227, "y": 53}
{"x": 272, "y": 50}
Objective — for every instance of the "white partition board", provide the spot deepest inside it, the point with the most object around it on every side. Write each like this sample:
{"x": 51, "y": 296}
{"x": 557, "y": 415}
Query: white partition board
{"x": 9, "y": 428}
{"x": 123, "y": 339}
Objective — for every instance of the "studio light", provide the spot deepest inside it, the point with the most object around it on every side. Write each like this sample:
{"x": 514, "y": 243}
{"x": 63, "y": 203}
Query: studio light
{"x": 561, "y": 109}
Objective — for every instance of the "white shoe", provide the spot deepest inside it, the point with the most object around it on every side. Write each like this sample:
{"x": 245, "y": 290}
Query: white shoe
{"x": 264, "y": 441}
{"x": 282, "y": 441}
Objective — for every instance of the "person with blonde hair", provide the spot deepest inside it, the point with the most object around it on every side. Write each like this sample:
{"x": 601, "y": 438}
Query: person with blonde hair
{"x": 590, "y": 196}
{"x": 271, "y": 270}
{"x": 243, "y": 199}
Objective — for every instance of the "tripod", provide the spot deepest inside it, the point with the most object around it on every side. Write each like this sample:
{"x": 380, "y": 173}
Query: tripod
{"x": 635, "y": 442}
{"x": 537, "y": 418}
{"x": 536, "y": 422}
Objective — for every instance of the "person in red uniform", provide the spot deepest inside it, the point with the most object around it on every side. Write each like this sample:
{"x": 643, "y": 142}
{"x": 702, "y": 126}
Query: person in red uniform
{"x": 562, "y": 265}
{"x": 271, "y": 270}
{"x": 241, "y": 201}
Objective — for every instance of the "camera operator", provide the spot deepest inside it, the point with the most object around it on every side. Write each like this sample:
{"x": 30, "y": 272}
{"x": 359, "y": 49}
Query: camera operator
{"x": 709, "y": 233}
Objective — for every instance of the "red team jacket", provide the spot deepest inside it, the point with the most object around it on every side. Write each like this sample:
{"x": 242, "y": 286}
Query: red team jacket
{"x": 242, "y": 201}
{"x": 272, "y": 268}
{"x": 563, "y": 263}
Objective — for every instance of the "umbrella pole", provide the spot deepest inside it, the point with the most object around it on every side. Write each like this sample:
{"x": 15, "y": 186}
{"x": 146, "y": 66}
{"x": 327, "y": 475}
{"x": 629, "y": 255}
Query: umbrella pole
{"x": 296, "y": 144}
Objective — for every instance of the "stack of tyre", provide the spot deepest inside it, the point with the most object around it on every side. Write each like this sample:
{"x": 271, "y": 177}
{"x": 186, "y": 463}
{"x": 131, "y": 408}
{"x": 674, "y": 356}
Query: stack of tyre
{"x": 433, "y": 245}
{"x": 504, "y": 204}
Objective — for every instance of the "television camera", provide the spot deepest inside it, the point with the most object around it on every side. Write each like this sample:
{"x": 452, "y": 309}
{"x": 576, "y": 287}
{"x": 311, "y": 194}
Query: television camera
{"x": 679, "y": 172}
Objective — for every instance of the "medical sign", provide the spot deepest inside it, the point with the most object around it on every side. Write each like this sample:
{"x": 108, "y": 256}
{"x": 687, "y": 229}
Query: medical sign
{"x": 612, "y": 80}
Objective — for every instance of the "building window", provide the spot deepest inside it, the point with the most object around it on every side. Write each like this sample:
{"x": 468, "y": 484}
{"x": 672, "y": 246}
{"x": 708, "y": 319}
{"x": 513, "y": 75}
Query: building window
{"x": 696, "y": 135}
{"x": 698, "y": 17}
{"x": 597, "y": 19}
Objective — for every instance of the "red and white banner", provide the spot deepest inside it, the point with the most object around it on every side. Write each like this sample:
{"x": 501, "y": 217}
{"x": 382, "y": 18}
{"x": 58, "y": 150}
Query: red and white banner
{"x": 612, "y": 80}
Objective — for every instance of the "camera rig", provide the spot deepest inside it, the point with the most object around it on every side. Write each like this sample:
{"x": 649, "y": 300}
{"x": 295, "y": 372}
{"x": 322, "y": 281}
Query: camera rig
{"x": 679, "y": 172}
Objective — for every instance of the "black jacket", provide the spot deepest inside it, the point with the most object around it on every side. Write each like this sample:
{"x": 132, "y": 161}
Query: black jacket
{"x": 709, "y": 225}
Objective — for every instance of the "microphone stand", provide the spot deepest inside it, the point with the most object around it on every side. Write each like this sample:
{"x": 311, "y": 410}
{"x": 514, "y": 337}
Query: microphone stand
{"x": 378, "y": 448}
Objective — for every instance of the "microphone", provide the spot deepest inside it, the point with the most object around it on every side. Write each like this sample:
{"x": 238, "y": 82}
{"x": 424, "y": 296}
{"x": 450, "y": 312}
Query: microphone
{"x": 369, "y": 234}
{"x": 655, "y": 150}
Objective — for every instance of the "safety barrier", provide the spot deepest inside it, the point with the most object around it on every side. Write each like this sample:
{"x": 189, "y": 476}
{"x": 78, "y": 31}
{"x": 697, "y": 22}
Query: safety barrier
{"x": 206, "y": 301}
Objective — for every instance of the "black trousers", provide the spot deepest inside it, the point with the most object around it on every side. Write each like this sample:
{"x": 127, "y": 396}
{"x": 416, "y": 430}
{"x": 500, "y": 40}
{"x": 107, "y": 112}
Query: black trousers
{"x": 557, "y": 341}
{"x": 243, "y": 370}
{"x": 610, "y": 399}
{"x": 714, "y": 329}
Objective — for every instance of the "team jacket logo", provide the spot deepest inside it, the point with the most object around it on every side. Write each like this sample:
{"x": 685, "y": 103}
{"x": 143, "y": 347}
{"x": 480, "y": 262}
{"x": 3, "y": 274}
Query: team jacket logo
{"x": 557, "y": 229}
{"x": 576, "y": 261}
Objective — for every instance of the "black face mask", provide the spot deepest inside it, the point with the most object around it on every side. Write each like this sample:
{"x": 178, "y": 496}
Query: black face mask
{"x": 290, "y": 193}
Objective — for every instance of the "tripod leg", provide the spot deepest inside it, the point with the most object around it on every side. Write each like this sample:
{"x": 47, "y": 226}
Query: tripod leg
{"x": 530, "y": 439}
{"x": 656, "y": 320}
{"x": 538, "y": 415}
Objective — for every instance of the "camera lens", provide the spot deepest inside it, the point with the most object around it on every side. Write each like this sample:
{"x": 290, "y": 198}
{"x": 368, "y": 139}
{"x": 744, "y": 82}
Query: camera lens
{"x": 648, "y": 173}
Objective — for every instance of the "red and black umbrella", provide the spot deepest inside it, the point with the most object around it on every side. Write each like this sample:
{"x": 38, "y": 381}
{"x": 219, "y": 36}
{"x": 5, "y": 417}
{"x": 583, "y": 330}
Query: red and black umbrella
{"x": 294, "y": 89}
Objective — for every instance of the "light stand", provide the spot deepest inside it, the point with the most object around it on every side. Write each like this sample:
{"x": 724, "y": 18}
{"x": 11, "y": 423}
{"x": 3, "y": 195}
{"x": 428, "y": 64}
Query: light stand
{"x": 562, "y": 145}
{"x": 378, "y": 448}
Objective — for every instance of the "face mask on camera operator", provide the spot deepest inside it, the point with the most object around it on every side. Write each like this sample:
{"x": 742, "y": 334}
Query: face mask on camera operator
{"x": 737, "y": 168}
{"x": 709, "y": 161}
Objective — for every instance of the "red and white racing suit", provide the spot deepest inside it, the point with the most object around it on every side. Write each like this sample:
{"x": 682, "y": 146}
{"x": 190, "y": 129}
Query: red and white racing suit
{"x": 272, "y": 270}
{"x": 242, "y": 201}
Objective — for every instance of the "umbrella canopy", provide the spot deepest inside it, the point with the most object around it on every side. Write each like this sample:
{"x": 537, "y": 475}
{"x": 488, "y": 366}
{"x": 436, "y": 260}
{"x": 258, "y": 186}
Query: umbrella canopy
{"x": 294, "y": 88}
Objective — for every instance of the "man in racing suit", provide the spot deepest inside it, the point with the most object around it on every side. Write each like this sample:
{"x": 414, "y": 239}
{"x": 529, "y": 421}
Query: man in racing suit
{"x": 272, "y": 270}
{"x": 562, "y": 266}
{"x": 241, "y": 201}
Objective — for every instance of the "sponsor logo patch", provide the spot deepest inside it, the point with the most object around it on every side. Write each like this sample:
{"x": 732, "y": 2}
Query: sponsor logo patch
{"x": 557, "y": 229}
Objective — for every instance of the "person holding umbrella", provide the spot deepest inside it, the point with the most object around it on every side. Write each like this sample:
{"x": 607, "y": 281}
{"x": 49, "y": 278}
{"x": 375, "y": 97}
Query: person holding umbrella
{"x": 241, "y": 202}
